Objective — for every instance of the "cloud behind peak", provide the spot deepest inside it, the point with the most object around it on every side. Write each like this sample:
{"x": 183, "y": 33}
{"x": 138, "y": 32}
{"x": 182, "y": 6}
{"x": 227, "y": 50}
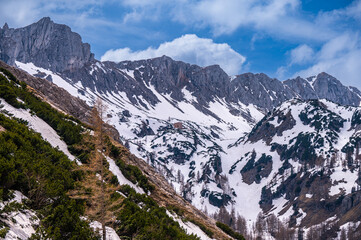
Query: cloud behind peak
{"x": 188, "y": 48}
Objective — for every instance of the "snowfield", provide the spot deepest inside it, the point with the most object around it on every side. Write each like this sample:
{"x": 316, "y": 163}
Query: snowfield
{"x": 21, "y": 223}
{"x": 38, "y": 125}
{"x": 110, "y": 232}
{"x": 121, "y": 179}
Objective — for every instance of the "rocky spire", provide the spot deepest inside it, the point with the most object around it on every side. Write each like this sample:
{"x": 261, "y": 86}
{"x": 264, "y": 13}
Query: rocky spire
{"x": 6, "y": 26}
{"x": 46, "y": 44}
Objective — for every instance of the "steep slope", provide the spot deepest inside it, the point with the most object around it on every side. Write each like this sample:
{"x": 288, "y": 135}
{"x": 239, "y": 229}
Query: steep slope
{"x": 184, "y": 120}
{"x": 57, "y": 97}
{"x": 324, "y": 86}
{"x": 31, "y": 166}
{"x": 21, "y": 109}
{"x": 302, "y": 163}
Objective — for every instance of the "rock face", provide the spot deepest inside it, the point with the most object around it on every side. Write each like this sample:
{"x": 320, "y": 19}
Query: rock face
{"x": 306, "y": 156}
{"x": 55, "y": 47}
{"x": 295, "y": 156}
{"x": 46, "y": 44}
{"x": 171, "y": 77}
{"x": 324, "y": 86}
{"x": 260, "y": 90}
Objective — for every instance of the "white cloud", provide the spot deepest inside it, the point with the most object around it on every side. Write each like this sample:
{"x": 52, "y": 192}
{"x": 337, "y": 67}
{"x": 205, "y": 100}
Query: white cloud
{"x": 281, "y": 72}
{"x": 18, "y": 13}
{"x": 188, "y": 48}
{"x": 353, "y": 10}
{"x": 225, "y": 16}
{"x": 142, "y": 3}
{"x": 301, "y": 54}
{"x": 280, "y": 18}
{"x": 338, "y": 46}
{"x": 339, "y": 57}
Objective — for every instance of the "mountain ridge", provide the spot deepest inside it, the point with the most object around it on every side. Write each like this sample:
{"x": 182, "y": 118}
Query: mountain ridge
{"x": 215, "y": 137}
{"x": 25, "y": 109}
{"x": 42, "y": 51}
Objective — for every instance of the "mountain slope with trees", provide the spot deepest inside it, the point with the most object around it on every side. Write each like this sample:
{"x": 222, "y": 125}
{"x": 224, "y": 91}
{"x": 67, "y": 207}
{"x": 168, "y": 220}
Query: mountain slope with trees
{"x": 46, "y": 176}
{"x": 219, "y": 141}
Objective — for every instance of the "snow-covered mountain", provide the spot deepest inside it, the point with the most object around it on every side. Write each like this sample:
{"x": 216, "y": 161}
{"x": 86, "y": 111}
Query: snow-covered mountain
{"x": 248, "y": 142}
{"x": 301, "y": 161}
{"x": 37, "y": 137}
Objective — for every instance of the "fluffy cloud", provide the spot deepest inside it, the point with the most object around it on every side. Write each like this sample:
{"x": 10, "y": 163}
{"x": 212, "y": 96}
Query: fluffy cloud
{"x": 339, "y": 57}
{"x": 18, "y": 13}
{"x": 280, "y": 18}
{"x": 302, "y": 54}
{"x": 225, "y": 16}
{"x": 188, "y": 48}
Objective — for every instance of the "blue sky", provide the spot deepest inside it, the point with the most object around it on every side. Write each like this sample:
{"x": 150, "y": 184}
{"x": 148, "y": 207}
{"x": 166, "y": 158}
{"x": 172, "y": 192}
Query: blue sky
{"x": 282, "y": 38}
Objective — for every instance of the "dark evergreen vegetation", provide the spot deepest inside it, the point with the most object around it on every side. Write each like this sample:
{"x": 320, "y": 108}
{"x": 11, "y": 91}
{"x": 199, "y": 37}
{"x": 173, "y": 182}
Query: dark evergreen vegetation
{"x": 69, "y": 128}
{"x": 142, "y": 218}
{"x": 45, "y": 175}
{"x": 30, "y": 165}
{"x": 132, "y": 173}
{"x": 229, "y": 231}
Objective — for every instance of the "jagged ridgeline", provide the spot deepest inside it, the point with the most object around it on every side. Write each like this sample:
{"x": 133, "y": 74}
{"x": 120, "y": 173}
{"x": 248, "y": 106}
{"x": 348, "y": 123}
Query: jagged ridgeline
{"x": 36, "y": 178}
{"x": 284, "y": 154}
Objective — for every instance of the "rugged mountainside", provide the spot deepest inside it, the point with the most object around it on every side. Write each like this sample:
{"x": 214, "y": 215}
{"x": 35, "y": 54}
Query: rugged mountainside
{"x": 32, "y": 169}
{"x": 55, "y": 47}
{"x": 221, "y": 141}
{"x": 304, "y": 158}
{"x": 46, "y": 44}
{"x": 324, "y": 86}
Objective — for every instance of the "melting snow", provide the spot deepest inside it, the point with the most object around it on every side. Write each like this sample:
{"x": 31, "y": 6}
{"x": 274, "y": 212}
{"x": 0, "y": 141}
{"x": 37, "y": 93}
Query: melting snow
{"x": 346, "y": 180}
{"x": 21, "y": 223}
{"x": 38, "y": 125}
{"x": 189, "y": 227}
{"x": 110, "y": 232}
{"x": 121, "y": 179}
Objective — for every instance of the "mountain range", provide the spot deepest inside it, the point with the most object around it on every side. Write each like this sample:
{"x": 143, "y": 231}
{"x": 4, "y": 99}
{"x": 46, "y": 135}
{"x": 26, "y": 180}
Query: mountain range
{"x": 249, "y": 144}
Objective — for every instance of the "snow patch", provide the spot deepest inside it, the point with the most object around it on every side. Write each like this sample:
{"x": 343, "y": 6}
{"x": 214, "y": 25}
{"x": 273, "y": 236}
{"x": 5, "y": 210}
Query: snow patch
{"x": 40, "y": 126}
{"x": 121, "y": 179}
{"x": 110, "y": 232}
{"x": 21, "y": 223}
{"x": 189, "y": 227}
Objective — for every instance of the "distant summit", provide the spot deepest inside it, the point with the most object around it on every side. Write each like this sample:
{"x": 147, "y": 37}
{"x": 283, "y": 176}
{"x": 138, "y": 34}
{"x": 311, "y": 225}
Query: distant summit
{"x": 6, "y": 26}
{"x": 46, "y": 44}
{"x": 246, "y": 144}
{"x": 55, "y": 47}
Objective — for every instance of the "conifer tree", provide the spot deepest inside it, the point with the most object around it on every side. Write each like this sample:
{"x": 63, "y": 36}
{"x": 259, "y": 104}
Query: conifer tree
{"x": 95, "y": 187}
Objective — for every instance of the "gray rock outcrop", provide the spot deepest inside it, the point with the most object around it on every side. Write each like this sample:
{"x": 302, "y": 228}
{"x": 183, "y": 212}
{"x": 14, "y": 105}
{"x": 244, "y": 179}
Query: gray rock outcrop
{"x": 55, "y": 47}
{"x": 324, "y": 86}
{"x": 46, "y": 44}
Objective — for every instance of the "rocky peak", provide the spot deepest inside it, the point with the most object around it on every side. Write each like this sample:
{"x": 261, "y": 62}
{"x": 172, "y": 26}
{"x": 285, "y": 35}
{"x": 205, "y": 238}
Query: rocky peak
{"x": 171, "y": 77}
{"x": 328, "y": 87}
{"x": 324, "y": 86}
{"x": 5, "y": 27}
{"x": 355, "y": 90}
{"x": 46, "y": 44}
{"x": 55, "y": 47}
{"x": 302, "y": 87}
{"x": 260, "y": 90}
